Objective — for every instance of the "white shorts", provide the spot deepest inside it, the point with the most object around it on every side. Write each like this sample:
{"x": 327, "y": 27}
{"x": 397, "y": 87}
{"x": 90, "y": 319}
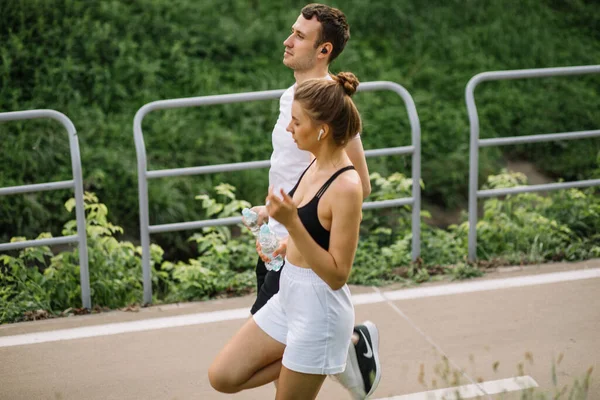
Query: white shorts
{"x": 312, "y": 320}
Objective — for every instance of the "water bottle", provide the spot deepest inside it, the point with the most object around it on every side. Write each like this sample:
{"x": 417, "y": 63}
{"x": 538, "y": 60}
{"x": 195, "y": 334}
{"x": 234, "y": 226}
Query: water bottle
{"x": 250, "y": 219}
{"x": 269, "y": 243}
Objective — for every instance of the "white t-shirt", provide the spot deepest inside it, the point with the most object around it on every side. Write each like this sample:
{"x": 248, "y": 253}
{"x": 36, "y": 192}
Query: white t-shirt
{"x": 287, "y": 160}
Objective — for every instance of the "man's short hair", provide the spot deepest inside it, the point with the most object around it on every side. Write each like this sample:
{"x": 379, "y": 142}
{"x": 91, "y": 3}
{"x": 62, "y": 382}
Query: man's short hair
{"x": 334, "y": 27}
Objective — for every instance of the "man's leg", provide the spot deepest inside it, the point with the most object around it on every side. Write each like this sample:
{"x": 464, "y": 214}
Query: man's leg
{"x": 363, "y": 368}
{"x": 261, "y": 273}
{"x": 268, "y": 285}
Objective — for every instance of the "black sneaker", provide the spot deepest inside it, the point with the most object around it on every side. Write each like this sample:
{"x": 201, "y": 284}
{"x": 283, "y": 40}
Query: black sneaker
{"x": 367, "y": 354}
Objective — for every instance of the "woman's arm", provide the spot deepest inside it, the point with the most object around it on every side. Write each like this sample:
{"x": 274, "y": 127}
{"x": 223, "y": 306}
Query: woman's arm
{"x": 332, "y": 266}
{"x": 356, "y": 153}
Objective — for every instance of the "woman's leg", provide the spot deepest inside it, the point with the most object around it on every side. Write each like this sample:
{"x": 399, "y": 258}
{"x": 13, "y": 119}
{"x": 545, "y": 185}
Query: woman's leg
{"x": 250, "y": 359}
{"x": 298, "y": 386}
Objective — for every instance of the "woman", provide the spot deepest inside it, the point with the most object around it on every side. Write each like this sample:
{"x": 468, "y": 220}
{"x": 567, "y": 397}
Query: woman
{"x": 302, "y": 334}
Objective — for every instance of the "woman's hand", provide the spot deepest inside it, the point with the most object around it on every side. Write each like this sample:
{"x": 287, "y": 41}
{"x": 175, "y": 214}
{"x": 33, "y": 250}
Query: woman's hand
{"x": 283, "y": 210}
{"x": 282, "y": 249}
{"x": 260, "y": 253}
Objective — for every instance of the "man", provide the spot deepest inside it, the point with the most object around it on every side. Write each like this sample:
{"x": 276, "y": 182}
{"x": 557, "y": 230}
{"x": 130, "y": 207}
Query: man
{"x": 318, "y": 36}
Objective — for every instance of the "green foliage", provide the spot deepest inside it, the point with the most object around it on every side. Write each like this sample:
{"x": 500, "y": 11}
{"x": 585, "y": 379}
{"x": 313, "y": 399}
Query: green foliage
{"x": 518, "y": 229}
{"x": 523, "y": 228}
{"x": 225, "y": 264}
{"x": 440, "y": 247}
{"x": 21, "y": 285}
{"x": 371, "y": 264}
{"x": 100, "y": 61}
{"x": 528, "y": 226}
{"x": 36, "y": 279}
{"x": 464, "y": 271}
{"x": 563, "y": 386}
{"x": 386, "y": 223}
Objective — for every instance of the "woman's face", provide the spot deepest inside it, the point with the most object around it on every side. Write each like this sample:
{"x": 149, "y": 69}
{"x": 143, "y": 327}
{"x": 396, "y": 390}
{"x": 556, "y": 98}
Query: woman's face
{"x": 302, "y": 128}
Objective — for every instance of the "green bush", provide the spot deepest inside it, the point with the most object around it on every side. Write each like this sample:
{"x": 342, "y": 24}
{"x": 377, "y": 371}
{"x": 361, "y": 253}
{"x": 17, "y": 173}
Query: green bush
{"x": 100, "y": 61}
{"x": 22, "y": 285}
{"x": 225, "y": 263}
{"x": 523, "y": 228}
{"x": 538, "y": 228}
{"x": 37, "y": 279}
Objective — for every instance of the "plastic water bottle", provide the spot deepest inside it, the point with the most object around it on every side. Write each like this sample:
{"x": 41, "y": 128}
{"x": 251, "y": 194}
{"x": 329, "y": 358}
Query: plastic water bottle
{"x": 250, "y": 219}
{"x": 269, "y": 243}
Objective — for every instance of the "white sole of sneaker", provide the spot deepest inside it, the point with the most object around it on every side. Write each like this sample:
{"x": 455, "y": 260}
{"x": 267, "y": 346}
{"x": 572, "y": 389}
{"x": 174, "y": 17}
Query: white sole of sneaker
{"x": 355, "y": 386}
{"x": 374, "y": 332}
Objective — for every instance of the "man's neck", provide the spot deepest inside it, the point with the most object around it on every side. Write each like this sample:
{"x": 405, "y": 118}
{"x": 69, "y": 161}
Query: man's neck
{"x": 316, "y": 72}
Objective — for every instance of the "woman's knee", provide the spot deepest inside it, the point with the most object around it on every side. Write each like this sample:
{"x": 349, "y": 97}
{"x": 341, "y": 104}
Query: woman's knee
{"x": 222, "y": 380}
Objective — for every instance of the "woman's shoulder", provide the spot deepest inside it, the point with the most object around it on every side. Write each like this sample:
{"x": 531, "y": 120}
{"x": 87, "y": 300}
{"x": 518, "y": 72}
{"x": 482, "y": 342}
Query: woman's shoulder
{"x": 348, "y": 184}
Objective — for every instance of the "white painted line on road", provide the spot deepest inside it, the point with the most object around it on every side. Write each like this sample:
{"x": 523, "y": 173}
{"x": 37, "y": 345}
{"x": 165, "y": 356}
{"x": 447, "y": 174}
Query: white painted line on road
{"x": 241, "y": 313}
{"x": 484, "y": 285}
{"x": 470, "y": 391}
{"x": 124, "y": 327}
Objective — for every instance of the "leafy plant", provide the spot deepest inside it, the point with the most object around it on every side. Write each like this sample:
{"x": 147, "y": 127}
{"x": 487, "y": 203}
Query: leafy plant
{"x": 100, "y": 61}
{"x": 36, "y": 278}
{"x": 523, "y": 228}
{"x": 225, "y": 264}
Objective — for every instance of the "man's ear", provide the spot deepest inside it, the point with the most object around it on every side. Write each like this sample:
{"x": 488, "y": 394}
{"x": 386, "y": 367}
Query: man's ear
{"x": 326, "y": 49}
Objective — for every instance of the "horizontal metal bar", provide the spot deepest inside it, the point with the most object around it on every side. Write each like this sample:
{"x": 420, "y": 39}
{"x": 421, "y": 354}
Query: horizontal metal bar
{"x": 535, "y": 73}
{"x": 183, "y": 226}
{"x": 39, "y": 242}
{"x": 390, "y": 151}
{"x": 208, "y": 169}
{"x": 538, "y": 188}
{"x": 211, "y": 169}
{"x": 38, "y": 187}
{"x": 209, "y": 100}
{"x": 388, "y": 203}
{"x": 538, "y": 138}
{"x": 245, "y": 97}
{"x": 34, "y": 114}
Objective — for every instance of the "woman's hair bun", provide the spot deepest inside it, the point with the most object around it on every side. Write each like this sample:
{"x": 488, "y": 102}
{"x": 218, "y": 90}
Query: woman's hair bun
{"x": 348, "y": 81}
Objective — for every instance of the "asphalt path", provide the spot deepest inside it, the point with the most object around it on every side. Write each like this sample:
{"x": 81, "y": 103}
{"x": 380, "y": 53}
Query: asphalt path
{"x": 518, "y": 329}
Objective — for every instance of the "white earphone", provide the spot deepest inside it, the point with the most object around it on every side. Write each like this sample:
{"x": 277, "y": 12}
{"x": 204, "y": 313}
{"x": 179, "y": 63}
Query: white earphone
{"x": 320, "y": 133}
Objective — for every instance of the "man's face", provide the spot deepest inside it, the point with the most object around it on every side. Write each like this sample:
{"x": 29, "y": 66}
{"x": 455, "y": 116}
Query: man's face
{"x": 300, "y": 52}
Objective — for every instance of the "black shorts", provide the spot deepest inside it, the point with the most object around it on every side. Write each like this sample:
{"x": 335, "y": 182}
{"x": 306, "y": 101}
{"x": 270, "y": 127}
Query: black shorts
{"x": 267, "y": 284}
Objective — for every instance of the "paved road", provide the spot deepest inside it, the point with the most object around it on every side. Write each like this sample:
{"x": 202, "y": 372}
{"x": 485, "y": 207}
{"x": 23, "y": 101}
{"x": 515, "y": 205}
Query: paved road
{"x": 478, "y": 334}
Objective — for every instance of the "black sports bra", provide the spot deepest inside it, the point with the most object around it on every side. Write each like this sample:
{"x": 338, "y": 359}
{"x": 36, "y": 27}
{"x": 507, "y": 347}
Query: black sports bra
{"x": 308, "y": 212}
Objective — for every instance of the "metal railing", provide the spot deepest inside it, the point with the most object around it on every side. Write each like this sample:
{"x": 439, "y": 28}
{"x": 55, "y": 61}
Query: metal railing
{"x": 476, "y": 143}
{"x": 143, "y": 174}
{"x": 76, "y": 184}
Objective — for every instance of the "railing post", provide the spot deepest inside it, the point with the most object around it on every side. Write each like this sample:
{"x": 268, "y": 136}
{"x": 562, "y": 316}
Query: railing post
{"x": 140, "y": 149}
{"x": 144, "y": 174}
{"x": 416, "y": 176}
{"x": 76, "y": 184}
{"x": 473, "y": 168}
{"x": 475, "y": 142}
